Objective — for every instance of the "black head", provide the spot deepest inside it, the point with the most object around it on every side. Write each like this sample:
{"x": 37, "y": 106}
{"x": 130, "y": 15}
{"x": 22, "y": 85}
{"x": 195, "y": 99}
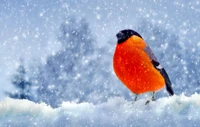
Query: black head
{"x": 125, "y": 34}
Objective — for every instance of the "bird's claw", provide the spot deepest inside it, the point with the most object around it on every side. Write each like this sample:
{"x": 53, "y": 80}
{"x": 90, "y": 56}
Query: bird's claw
{"x": 148, "y": 101}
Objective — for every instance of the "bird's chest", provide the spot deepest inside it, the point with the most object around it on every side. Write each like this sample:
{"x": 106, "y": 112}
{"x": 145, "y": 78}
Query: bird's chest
{"x": 131, "y": 61}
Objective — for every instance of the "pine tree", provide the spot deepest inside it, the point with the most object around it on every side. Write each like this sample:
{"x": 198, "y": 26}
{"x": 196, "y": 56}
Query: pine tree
{"x": 22, "y": 85}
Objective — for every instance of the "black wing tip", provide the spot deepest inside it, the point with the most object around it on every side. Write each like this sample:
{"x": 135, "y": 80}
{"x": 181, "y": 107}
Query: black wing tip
{"x": 166, "y": 78}
{"x": 170, "y": 91}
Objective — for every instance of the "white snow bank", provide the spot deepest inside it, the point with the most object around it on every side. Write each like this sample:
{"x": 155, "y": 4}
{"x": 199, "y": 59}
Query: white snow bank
{"x": 176, "y": 111}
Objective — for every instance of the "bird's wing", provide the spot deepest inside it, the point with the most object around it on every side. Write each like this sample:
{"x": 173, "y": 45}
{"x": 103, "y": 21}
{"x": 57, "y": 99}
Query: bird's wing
{"x": 162, "y": 71}
{"x": 148, "y": 50}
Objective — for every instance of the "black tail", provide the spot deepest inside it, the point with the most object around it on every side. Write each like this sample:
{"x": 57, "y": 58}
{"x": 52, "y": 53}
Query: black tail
{"x": 167, "y": 82}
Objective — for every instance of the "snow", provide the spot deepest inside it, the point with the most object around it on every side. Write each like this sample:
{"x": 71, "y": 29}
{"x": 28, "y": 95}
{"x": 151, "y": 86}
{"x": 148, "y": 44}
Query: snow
{"x": 172, "y": 111}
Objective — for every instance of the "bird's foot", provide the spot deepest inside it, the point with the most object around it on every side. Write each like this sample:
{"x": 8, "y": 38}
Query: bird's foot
{"x": 136, "y": 97}
{"x": 148, "y": 101}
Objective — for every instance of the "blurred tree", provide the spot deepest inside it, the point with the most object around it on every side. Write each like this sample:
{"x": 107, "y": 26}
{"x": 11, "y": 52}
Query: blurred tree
{"x": 67, "y": 74}
{"x": 22, "y": 84}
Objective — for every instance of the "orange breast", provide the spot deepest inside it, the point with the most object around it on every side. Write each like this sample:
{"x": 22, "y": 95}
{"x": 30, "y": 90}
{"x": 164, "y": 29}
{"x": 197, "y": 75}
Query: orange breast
{"x": 133, "y": 67}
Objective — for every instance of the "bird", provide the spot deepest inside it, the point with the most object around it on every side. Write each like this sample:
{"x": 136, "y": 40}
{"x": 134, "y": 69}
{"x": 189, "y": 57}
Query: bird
{"x": 137, "y": 67}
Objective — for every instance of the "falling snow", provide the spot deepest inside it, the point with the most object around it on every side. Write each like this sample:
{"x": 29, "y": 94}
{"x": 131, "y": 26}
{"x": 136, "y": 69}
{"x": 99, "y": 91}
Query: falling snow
{"x": 67, "y": 49}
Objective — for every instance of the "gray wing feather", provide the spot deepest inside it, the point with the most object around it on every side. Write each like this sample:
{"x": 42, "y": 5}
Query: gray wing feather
{"x": 148, "y": 50}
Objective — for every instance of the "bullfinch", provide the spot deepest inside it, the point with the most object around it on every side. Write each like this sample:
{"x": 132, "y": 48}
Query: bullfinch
{"x": 137, "y": 67}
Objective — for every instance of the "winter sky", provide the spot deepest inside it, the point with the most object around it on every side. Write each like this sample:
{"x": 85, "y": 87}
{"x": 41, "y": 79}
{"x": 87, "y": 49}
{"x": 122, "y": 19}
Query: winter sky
{"x": 29, "y": 27}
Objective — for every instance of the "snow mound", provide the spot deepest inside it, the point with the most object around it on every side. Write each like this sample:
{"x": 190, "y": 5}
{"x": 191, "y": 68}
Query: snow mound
{"x": 173, "y": 111}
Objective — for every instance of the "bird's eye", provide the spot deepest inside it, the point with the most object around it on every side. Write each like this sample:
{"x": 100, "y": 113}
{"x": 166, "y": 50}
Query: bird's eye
{"x": 120, "y": 35}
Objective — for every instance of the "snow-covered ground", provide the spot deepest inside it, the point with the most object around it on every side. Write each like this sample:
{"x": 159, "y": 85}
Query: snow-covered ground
{"x": 176, "y": 111}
